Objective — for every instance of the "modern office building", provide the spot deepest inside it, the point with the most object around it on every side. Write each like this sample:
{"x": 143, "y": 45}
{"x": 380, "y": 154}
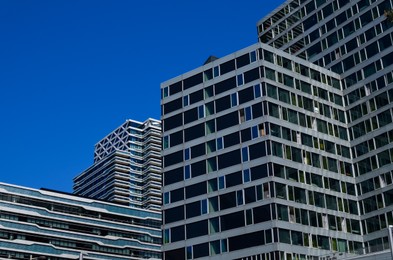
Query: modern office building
{"x": 43, "y": 224}
{"x": 127, "y": 167}
{"x": 283, "y": 150}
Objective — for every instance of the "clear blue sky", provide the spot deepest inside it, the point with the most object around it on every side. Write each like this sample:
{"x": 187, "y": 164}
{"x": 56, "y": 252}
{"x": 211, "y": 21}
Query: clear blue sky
{"x": 71, "y": 71}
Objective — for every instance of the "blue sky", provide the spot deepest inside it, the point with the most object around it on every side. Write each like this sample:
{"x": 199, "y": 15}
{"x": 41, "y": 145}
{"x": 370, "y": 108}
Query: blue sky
{"x": 71, "y": 71}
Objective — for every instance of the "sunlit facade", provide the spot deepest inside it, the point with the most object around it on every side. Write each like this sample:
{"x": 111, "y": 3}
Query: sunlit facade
{"x": 283, "y": 150}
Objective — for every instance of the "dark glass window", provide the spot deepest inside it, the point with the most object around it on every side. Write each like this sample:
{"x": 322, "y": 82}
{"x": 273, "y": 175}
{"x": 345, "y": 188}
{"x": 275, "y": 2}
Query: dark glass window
{"x": 227, "y": 200}
{"x": 197, "y": 150}
{"x": 195, "y": 190}
{"x": 233, "y": 179}
{"x": 194, "y": 132}
{"x": 261, "y": 214}
{"x": 174, "y": 214}
{"x": 225, "y": 85}
{"x": 259, "y": 172}
{"x": 173, "y": 158}
{"x": 223, "y": 103}
{"x": 249, "y": 194}
{"x": 190, "y": 115}
{"x": 172, "y": 122}
{"x": 177, "y": 195}
{"x": 246, "y": 135}
{"x": 172, "y": 106}
{"x": 173, "y": 176}
{"x": 233, "y": 220}
{"x": 197, "y": 229}
{"x": 246, "y": 241}
{"x": 243, "y": 60}
{"x": 176, "y": 254}
{"x": 257, "y": 150}
{"x": 196, "y": 96}
{"x": 231, "y": 139}
{"x": 227, "y": 120}
{"x": 227, "y": 67}
{"x": 176, "y": 138}
{"x": 177, "y": 233}
{"x": 175, "y": 88}
{"x": 268, "y": 56}
{"x": 246, "y": 95}
{"x": 251, "y": 75}
{"x": 198, "y": 168}
{"x": 193, "y": 80}
{"x": 193, "y": 209}
{"x": 257, "y": 110}
{"x": 201, "y": 250}
{"x": 228, "y": 159}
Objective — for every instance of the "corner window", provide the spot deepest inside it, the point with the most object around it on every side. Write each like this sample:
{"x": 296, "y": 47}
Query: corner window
{"x": 253, "y": 56}
{"x": 165, "y": 92}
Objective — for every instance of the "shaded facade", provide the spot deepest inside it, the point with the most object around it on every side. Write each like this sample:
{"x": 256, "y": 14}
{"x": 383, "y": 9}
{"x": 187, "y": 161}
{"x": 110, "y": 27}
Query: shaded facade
{"x": 283, "y": 150}
{"x": 127, "y": 167}
{"x": 43, "y": 224}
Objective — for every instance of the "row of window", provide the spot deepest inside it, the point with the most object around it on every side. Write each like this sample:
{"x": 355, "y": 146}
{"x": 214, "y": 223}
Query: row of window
{"x": 376, "y": 202}
{"x": 371, "y": 105}
{"x": 299, "y": 118}
{"x": 342, "y": 33}
{"x": 298, "y": 68}
{"x": 73, "y": 227}
{"x": 313, "y": 179}
{"x": 209, "y": 74}
{"x": 309, "y": 158}
{"x": 373, "y": 144}
{"x": 369, "y": 70}
{"x": 308, "y": 140}
{"x": 375, "y": 183}
{"x": 374, "y": 162}
{"x": 249, "y": 195}
{"x": 364, "y": 54}
{"x": 81, "y": 245}
{"x": 262, "y": 214}
{"x": 259, "y": 238}
{"x": 370, "y": 124}
{"x": 301, "y": 27}
{"x": 263, "y": 191}
{"x": 369, "y": 88}
{"x": 378, "y": 222}
{"x": 79, "y": 211}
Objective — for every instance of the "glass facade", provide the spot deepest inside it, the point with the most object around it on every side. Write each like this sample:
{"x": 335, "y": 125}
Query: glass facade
{"x": 127, "y": 167}
{"x": 287, "y": 141}
{"x": 44, "y": 224}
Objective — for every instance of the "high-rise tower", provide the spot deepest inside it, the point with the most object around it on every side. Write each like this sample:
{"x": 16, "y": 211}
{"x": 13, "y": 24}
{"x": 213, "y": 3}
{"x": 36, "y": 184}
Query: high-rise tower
{"x": 283, "y": 150}
{"x": 127, "y": 167}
